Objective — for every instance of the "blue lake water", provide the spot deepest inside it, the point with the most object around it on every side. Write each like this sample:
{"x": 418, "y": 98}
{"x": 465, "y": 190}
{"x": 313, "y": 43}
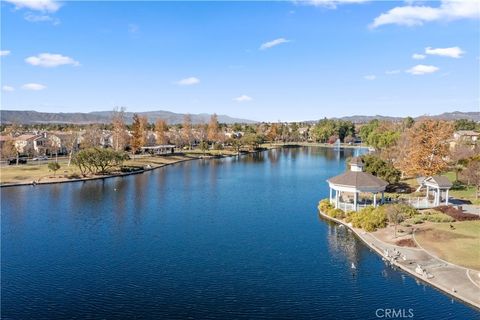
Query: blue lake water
{"x": 227, "y": 239}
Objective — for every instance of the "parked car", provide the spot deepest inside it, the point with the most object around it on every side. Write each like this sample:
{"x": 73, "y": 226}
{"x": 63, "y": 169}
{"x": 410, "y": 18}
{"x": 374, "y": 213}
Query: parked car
{"x": 13, "y": 161}
{"x": 40, "y": 158}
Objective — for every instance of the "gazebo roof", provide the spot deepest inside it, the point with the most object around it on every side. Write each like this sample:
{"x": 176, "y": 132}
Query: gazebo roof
{"x": 358, "y": 180}
{"x": 440, "y": 181}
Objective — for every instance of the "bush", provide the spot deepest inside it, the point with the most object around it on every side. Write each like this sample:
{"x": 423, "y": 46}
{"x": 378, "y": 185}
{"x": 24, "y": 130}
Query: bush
{"x": 127, "y": 169}
{"x": 439, "y": 217}
{"x": 417, "y": 220}
{"x": 336, "y": 213}
{"x": 407, "y": 210}
{"x": 369, "y": 218}
{"x": 458, "y": 185}
{"x": 327, "y": 208}
{"x": 325, "y": 205}
{"x": 432, "y": 216}
{"x": 54, "y": 166}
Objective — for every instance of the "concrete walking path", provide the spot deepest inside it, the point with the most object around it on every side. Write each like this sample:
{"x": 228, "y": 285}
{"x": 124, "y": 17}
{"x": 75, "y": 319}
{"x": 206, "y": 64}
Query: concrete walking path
{"x": 456, "y": 281}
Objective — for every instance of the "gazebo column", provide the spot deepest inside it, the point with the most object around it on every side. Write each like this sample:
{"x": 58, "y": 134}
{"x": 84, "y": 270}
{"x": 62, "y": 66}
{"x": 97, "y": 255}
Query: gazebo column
{"x": 375, "y": 200}
{"x": 428, "y": 191}
{"x": 336, "y": 199}
{"x": 383, "y": 197}
{"x": 446, "y": 198}
{"x": 331, "y": 194}
{"x": 437, "y": 200}
{"x": 355, "y": 197}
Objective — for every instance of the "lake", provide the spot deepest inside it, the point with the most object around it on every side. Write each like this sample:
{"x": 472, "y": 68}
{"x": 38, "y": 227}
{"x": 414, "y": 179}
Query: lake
{"x": 229, "y": 238}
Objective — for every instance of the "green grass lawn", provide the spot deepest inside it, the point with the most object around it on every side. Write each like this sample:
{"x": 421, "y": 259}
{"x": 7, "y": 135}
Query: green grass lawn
{"x": 459, "y": 246}
{"x": 34, "y": 171}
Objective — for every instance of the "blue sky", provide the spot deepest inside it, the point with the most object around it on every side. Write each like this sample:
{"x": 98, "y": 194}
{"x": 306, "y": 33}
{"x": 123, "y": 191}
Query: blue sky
{"x": 268, "y": 61}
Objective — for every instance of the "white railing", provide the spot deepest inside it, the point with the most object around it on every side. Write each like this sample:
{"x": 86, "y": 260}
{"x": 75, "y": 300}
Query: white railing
{"x": 348, "y": 206}
{"x": 420, "y": 203}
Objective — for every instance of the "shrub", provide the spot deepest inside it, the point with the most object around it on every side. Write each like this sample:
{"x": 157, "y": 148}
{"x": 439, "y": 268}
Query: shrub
{"x": 369, "y": 218}
{"x": 325, "y": 205}
{"x": 407, "y": 210}
{"x": 436, "y": 217}
{"x": 417, "y": 220}
{"x": 458, "y": 185}
{"x": 54, "y": 166}
{"x": 336, "y": 213}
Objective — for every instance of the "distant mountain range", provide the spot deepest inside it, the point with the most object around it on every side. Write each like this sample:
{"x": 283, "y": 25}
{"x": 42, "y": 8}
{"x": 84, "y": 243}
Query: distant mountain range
{"x": 34, "y": 117}
{"x": 475, "y": 116}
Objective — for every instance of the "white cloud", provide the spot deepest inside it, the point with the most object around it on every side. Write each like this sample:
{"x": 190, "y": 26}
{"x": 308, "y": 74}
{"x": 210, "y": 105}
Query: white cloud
{"x": 4, "y": 53}
{"x": 418, "y": 56}
{"x": 243, "y": 98}
{"x": 273, "y": 43}
{"x": 49, "y": 60}
{"x": 8, "y": 88}
{"x": 38, "y": 5}
{"x": 370, "y": 77}
{"x": 418, "y": 15}
{"x": 421, "y": 69}
{"x": 31, "y": 17}
{"x": 33, "y": 86}
{"x": 331, "y": 4}
{"x": 188, "y": 81}
{"x": 392, "y": 71}
{"x": 453, "y": 52}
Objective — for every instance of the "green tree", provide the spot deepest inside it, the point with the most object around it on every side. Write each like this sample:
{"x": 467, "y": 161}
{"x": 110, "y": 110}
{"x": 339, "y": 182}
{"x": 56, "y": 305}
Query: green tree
{"x": 323, "y": 130}
{"x": 253, "y": 140}
{"x": 54, "y": 166}
{"x": 380, "y": 135}
{"x": 97, "y": 160}
{"x": 465, "y": 124}
{"x": 203, "y": 146}
{"x": 408, "y": 122}
{"x": 380, "y": 168}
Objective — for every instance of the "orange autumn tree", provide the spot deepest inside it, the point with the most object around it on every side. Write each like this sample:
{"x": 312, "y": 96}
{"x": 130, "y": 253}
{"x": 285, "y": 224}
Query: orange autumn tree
{"x": 213, "y": 129}
{"x": 426, "y": 148}
{"x": 139, "y": 133}
{"x": 160, "y": 128}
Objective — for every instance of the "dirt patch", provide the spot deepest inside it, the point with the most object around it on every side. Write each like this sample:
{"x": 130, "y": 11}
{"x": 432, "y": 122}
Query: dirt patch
{"x": 406, "y": 243}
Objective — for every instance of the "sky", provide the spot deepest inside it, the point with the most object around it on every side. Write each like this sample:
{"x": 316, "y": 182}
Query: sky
{"x": 265, "y": 61}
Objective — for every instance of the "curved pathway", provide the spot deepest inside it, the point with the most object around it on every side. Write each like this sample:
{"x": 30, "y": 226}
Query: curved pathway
{"x": 452, "y": 279}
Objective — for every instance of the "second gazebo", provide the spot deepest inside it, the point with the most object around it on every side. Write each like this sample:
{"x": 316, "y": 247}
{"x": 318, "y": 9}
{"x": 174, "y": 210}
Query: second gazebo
{"x": 354, "y": 182}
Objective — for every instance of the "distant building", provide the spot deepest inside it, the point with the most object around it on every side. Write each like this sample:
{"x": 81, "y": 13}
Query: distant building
{"x": 465, "y": 137}
{"x": 30, "y": 144}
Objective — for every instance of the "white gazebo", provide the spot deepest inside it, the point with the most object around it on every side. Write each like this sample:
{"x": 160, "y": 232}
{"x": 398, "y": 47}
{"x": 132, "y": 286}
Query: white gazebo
{"x": 355, "y": 182}
{"x": 437, "y": 185}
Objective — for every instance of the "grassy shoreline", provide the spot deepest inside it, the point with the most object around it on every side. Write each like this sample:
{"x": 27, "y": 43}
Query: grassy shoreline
{"x": 38, "y": 173}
